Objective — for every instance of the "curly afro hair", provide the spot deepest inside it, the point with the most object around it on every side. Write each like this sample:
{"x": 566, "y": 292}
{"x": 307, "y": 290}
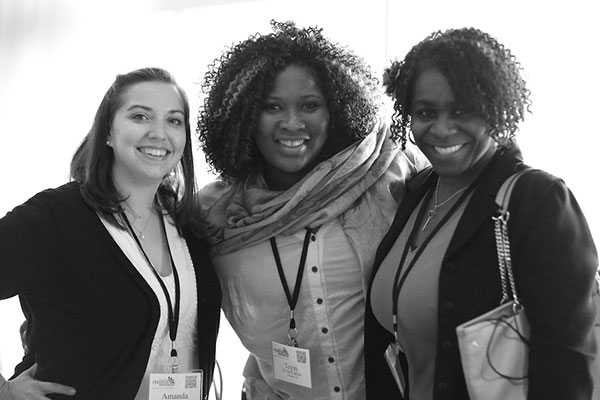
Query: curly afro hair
{"x": 238, "y": 83}
{"x": 482, "y": 73}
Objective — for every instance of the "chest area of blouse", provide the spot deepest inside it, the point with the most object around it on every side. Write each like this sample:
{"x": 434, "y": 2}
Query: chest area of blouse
{"x": 330, "y": 261}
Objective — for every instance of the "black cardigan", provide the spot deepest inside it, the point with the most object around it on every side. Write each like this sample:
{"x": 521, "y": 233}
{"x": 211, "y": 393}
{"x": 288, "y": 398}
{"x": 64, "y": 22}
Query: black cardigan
{"x": 91, "y": 316}
{"x": 554, "y": 259}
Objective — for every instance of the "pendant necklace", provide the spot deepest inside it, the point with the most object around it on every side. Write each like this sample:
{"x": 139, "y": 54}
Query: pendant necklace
{"x": 433, "y": 211}
{"x": 137, "y": 217}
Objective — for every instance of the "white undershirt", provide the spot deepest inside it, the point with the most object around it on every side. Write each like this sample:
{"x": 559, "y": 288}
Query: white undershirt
{"x": 187, "y": 334}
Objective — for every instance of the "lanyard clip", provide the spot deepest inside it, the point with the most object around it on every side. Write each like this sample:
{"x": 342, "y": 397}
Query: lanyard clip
{"x": 293, "y": 332}
{"x": 173, "y": 360}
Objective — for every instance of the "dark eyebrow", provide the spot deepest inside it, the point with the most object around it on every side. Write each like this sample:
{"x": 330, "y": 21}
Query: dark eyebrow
{"x": 305, "y": 97}
{"x": 146, "y": 108}
{"x": 131, "y": 107}
{"x": 421, "y": 103}
{"x": 273, "y": 98}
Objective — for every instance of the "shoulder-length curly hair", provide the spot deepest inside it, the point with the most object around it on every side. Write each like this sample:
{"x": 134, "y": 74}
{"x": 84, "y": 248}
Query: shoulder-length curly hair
{"x": 238, "y": 83}
{"x": 92, "y": 163}
{"x": 482, "y": 73}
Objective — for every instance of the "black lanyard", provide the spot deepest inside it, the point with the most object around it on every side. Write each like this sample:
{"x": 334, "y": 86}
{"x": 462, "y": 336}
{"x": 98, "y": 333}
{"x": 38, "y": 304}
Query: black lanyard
{"x": 400, "y": 278}
{"x": 292, "y": 299}
{"x": 173, "y": 312}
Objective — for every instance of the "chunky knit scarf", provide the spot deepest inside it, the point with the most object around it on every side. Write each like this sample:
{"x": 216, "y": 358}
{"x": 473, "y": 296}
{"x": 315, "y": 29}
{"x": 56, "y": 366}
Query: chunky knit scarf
{"x": 362, "y": 185}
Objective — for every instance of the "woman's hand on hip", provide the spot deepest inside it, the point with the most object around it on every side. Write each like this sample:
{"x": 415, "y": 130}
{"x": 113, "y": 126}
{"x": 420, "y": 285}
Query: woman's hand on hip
{"x": 26, "y": 387}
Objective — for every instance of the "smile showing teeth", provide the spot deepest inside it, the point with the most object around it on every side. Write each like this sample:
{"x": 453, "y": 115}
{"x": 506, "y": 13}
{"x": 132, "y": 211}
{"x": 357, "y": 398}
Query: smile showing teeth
{"x": 153, "y": 152}
{"x": 448, "y": 150}
{"x": 291, "y": 143}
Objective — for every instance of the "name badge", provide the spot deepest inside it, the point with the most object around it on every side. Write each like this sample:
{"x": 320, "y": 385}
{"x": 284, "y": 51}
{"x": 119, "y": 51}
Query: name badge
{"x": 176, "y": 386}
{"x": 292, "y": 364}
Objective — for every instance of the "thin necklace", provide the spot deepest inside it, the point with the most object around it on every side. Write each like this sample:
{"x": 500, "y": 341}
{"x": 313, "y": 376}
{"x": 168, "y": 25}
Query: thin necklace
{"x": 433, "y": 211}
{"x": 137, "y": 217}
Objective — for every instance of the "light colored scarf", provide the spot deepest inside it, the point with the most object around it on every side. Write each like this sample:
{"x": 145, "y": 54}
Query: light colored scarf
{"x": 362, "y": 185}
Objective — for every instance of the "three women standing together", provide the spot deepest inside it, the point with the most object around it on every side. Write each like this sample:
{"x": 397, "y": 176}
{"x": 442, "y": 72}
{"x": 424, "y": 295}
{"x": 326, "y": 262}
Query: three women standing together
{"x": 114, "y": 276}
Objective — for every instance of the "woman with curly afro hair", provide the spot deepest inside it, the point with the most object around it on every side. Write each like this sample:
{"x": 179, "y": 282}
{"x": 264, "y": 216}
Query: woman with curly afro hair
{"x": 461, "y": 95}
{"x": 309, "y": 181}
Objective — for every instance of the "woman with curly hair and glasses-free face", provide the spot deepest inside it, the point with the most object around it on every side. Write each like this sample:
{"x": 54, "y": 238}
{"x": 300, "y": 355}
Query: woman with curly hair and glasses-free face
{"x": 116, "y": 287}
{"x": 461, "y": 94}
{"x": 310, "y": 179}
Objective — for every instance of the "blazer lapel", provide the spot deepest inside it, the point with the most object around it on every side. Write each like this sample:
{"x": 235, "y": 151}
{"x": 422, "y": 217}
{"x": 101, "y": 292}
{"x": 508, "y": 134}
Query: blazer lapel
{"x": 482, "y": 206}
{"x": 480, "y": 209}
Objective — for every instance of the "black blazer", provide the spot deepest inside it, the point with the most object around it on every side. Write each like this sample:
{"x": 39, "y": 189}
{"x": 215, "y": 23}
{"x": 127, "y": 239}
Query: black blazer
{"x": 554, "y": 259}
{"x": 91, "y": 316}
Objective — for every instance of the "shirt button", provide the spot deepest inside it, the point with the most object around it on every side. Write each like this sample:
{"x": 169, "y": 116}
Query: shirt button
{"x": 450, "y": 268}
{"x": 442, "y": 386}
{"x": 324, "y": 330}
{"x": 319, "y": 301}
{"x": 337, "y": 389}
{"x": 447, "y": 344}
{"x": 314, "y": 269}
{"x": 313, "y": 237}
{"x": 448, "y": 306}
{"x": 331, "y": 359}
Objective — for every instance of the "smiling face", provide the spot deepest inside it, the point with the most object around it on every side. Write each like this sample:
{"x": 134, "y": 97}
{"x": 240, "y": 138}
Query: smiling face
{"x": 147, "y": 134}
{"x": 453, "y": 137}
{"x": 292, "y": 127}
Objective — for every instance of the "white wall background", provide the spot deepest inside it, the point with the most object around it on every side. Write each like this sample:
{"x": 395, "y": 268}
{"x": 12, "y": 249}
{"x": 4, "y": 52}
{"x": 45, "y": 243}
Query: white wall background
{"x": 57, "y": 58}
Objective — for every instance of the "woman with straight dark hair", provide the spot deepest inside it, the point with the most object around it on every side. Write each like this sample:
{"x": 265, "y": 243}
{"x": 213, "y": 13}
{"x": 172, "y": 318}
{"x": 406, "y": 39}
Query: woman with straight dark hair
{"x": 113, "y": 290}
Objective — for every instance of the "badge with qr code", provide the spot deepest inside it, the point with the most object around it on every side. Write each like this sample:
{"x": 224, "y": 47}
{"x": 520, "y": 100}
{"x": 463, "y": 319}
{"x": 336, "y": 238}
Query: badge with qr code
{"x": 291, "y": 364}
{"x": 176, "y": 386}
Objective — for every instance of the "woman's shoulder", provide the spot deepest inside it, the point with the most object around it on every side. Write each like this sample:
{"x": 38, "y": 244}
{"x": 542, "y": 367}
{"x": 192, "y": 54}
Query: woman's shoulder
{"x": 539, "y": 194}
{"x": 534, "y": 179}
{"x": 67, "y": 191}
{"x": 63, "y": 204}
{"x": 537, "y": 183}
{"x": 211, "y": 192}
{"x": 212, "y": 201}
{"x": 542, "y": 177}
{"x": 59, "y": 197}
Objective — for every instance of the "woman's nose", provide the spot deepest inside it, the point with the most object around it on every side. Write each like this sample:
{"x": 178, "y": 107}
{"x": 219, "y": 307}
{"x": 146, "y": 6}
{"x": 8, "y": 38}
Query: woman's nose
{"x": 158, "y": 131}
{"x": 444, "y": 126}
{"x": 293, "y": 121}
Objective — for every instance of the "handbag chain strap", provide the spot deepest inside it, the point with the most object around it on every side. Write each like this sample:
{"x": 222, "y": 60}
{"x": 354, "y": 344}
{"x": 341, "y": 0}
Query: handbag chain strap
{"x": 507, "y": 279}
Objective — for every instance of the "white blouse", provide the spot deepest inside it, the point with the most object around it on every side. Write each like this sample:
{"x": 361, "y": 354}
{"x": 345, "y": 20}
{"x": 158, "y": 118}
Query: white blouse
{"x": 329, "y": 314}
